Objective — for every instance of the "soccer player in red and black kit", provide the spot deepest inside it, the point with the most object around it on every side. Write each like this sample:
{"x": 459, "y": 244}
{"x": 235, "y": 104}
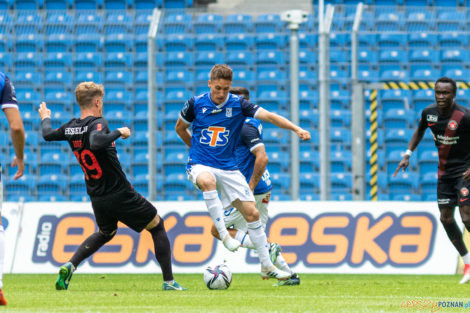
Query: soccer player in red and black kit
{"x": 450, "y": 125}
{"x": 112, "y": 197}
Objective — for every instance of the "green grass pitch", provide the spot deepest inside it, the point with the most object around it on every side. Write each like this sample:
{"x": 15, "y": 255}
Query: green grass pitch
{"x": 248, "y": 293}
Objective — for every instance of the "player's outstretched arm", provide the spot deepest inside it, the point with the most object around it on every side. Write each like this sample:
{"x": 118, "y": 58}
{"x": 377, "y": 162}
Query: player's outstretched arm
{"x": 181, "y": 129}
{"x": 415, "y": 140}
{"x": 17, "y": 137}
{"x": 282, "y": 122}
{"x": 47, "y": 132}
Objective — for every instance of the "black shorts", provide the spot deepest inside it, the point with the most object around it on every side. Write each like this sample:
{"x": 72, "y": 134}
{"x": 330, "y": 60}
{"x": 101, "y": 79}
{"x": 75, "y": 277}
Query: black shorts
{"x": 453, "y": 192}
{"x": 128, "y": 207}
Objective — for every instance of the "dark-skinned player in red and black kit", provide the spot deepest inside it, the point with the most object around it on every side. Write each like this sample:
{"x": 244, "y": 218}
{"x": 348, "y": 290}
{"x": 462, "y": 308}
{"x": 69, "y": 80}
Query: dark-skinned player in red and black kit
{"x": 112, "y": 197}
{"x": 450, "y": 125}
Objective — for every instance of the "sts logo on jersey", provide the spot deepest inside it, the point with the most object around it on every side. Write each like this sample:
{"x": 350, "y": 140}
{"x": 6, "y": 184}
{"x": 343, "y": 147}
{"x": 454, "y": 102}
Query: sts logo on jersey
{"x": 214, "y": 136}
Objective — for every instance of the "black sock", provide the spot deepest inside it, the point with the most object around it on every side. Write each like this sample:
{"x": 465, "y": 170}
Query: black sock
{"x": 89, "y": 246}
{"x": 455, "y": 236}
{"x": 162, "y": 250}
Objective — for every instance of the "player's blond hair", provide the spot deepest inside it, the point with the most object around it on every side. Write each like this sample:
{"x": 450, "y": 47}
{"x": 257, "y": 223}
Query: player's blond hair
{"x": 86, "y": 92}
{"x": 221, "y": 71}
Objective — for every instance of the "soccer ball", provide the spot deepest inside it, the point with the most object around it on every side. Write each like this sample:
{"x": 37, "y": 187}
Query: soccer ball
{"x": 218, "y": 277}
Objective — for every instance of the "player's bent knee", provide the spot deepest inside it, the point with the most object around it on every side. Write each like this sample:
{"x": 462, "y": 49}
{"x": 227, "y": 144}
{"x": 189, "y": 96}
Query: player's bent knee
{"x": 107, "y": 236}
{"x": 206, "y": 181}
{"x": 153, "y": 223}
{"x": 446, "y": 219}
{"x": 252, "y": 215}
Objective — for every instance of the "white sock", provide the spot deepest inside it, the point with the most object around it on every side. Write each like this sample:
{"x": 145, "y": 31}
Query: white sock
{"x": 215, "y": 207}
{"x": 282, "y": 264}
{"x": 258, "y": 238}
{"x": 2, "y": 254}
{"x": 244, "y": 239}
{"x": 466, "y": 258}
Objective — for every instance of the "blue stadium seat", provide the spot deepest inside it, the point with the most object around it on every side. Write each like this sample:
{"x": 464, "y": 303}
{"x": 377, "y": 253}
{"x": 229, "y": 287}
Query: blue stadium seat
{"x": 209, "y": 58}
{"x": 272, "y": 100}
{"x": 309, "y": 161}
{"x": 23, "y": 187}
{"x": 341, "y": 161}
{"x": 396, "y": 40}
{"x": 425, "y": 74}
{"x": 88, "y": 60}
{"x": 394, "y": 99}
{"x": 51, "y": 164}
{"x": 182, "y": 59}
{"x": 88, "y": 42}
{"x": 28, "y": 60}
{"x": 83, "y": 75}
{"x": 340, "y": 118}
{"x": 393, "y": 56}
{"x": 28, "y": 99}
{"x": 424, "y": 56}
{"x": 174, "y": 162}
{"x": 58, "y": 61}
{"x": 178, "y": 23}
{"x": 77, "y": 189}
{"x": 209, "y": 42}
{"x": 118, "y": 79}
{"x": 118, "y": 60}
{"x": 393, "y": 75}
{"x": 341, "y": 181}
{"x": 238, "y": 23}
{"x": 422, "y": 98}
{"x": 367, "y": 56}
{"x": 340, "y": 196}
{"x": 239, "y": 42}
{"x": 58, "y": 96}
{"x": 118, "y": 42}
{"x": 208, "y": 23}
{"x": 453, "y": 40}
{"x": 275, "y": 136}
{"x": 308, "y": 41}
{"x": 309, "y": 118}
{"x": 29, "y": 42}
{"x": 242, "y": 77}
{"x": 406, "y": 197}
{"x": 179, "y": 43}
{"x": 429, "y": 182}
{"x": 241, "y": 58}
{"x": 392, "y": 21}
{"x": 57, "y": 79}
{"x": 339, "y": 99}
{"x": 28, "y": 79}
{"x": 399, "y": 118}
{"x": 6, "y": 61}
{"x": 341, "y": 137}
{"x": 420, "y": 21}
{"x": 399, "y": 137}
{"x": 450, "y": 21}
{"x": 52, "y": 184}
{"x": 58, "y": 43}
{"x": 270, "y": 41}
{"x": 52, "y": 197}
{"x": 454, "y": 56}
{"x": 422, "y": 40}
{"x": 270, "y": 58}
{"x": 427, "y": 161}
{"x": 403, "y": 183}
{"x": 6, "y": 42}
{"x": 268, "y": 23}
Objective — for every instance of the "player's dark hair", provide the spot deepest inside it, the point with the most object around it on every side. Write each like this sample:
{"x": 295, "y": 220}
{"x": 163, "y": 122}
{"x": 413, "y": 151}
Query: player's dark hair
{"x": 447, "y": 80}
{"x": 221, "y": 71}
{"x": 241, "y": 91}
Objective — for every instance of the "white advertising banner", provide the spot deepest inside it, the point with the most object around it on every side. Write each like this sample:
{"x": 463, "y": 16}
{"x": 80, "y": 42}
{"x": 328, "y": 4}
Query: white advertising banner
{"x": 316, "y": 237}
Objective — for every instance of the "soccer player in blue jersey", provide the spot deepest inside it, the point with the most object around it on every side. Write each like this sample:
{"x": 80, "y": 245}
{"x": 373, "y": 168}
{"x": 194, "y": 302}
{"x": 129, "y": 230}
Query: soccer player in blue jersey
{"x": 216, "y": 119}
{"x": 252, "y": 160}
{"x": 9, "y": 106}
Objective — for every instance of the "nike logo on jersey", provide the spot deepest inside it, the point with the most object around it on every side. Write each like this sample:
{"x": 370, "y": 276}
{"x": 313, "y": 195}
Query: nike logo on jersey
{"x": 214, "y": 136}
{"x": 431, "y": 124}
{"x": 464, "y": 199}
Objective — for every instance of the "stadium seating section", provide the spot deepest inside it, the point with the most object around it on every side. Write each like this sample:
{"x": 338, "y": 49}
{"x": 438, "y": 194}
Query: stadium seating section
{"x": 48, "y": 46}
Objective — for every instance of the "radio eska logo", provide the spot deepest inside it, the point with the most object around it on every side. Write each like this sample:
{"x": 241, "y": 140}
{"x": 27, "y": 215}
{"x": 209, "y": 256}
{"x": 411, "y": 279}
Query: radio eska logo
{"x": 326, "y": 240}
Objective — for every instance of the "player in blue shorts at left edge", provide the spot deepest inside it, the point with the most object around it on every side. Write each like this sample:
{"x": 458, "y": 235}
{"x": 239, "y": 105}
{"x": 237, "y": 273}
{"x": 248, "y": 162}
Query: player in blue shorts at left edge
{"x": 216, "y": 119}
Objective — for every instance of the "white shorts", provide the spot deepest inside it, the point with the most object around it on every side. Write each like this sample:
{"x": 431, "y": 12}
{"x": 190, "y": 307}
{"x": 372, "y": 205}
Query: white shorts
{"x": 233, "y": 217}
{"x": 231, "y": 185}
